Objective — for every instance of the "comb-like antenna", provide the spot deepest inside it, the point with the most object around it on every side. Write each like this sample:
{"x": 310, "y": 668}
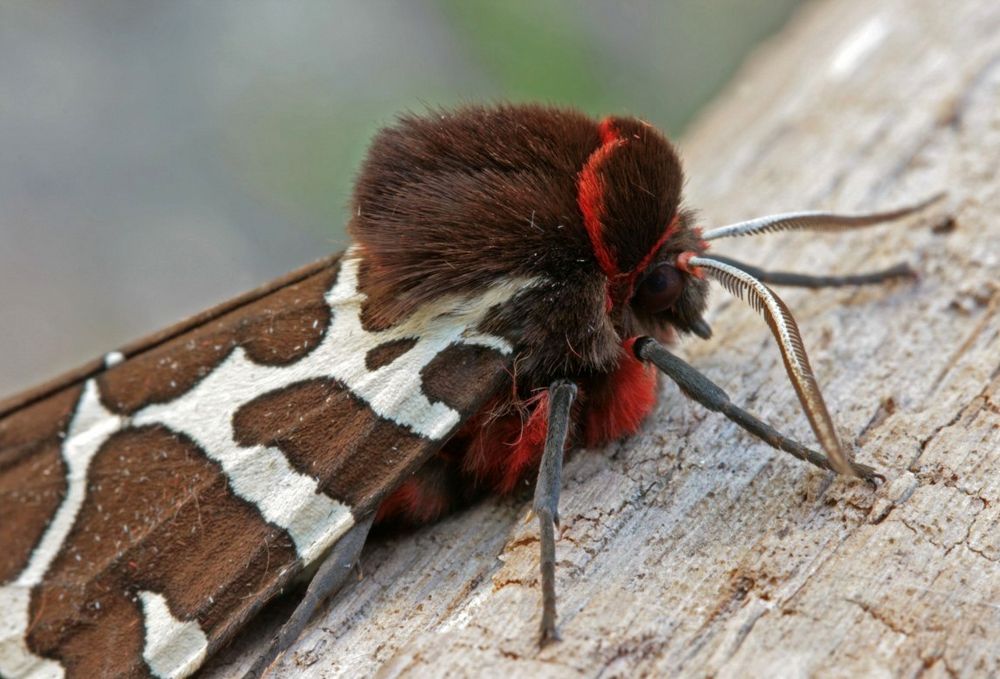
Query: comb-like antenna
{"x": 786, "y": 331}
{"x": 811, "y": 219}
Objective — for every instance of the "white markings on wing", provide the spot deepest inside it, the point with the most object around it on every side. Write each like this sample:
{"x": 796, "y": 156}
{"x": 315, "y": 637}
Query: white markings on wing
{"x": 395, "y": 391}
{"x": 91, "y": 426}
{"x": 261, "y": 475}
{"x": 113, "y": 358}
{"x": 16, "y": 660}
{"x": 171, "y": 648}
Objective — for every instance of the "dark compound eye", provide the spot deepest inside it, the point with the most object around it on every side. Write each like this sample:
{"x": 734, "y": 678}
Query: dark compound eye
{"x": 659, "y": 290}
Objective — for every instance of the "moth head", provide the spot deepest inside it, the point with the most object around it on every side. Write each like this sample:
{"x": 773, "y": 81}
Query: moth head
{"x": 670, "y": 295}
{"x": 629, "y": 194}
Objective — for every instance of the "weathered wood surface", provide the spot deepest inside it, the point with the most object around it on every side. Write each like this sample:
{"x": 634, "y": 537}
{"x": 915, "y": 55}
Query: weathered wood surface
{"x": 692, "y": 550}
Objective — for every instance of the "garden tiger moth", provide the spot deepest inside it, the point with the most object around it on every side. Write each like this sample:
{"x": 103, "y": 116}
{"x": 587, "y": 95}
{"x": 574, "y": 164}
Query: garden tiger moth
{"x": 515, "y": 273}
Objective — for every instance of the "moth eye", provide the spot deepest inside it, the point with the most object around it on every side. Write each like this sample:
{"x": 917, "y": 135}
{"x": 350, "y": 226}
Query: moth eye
{"x": 659, "y": 290}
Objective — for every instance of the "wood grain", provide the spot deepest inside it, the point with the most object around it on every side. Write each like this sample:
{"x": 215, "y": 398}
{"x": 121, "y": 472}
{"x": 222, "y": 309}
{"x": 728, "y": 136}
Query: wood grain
{"x": 692, "y": 550}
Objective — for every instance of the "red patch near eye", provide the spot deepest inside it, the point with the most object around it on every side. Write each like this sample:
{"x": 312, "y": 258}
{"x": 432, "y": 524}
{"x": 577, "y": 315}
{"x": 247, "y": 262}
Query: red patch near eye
{"x": 683, "y": 263}
{"x": 667, "y": 233}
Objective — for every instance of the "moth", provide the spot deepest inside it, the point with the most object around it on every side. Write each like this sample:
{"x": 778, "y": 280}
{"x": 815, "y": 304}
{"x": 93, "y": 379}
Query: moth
{"x": 516, "y": 275}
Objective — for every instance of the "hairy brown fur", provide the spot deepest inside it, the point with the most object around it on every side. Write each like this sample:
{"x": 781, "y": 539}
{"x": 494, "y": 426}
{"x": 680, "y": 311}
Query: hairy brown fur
{"x": 454, "y": 201}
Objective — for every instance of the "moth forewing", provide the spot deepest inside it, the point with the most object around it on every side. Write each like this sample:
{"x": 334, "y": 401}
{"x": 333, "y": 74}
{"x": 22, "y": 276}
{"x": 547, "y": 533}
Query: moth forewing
{"x": 152, "y": 506}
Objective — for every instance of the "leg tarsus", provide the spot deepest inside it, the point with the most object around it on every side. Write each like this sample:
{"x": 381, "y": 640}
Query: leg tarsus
{"x": 547, "y": 630}
{"x": 330, "y": 577}
{"x": 546, "y": 502}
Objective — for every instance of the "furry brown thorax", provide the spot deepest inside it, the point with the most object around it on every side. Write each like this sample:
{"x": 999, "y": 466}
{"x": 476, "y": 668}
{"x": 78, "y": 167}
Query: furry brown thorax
{"x": 454, "y": 201}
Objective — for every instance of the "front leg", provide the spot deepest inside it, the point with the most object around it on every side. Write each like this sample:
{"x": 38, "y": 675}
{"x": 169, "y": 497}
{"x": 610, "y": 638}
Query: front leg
{"x": 546, "y": 504}
{"x": 712, "y": 396}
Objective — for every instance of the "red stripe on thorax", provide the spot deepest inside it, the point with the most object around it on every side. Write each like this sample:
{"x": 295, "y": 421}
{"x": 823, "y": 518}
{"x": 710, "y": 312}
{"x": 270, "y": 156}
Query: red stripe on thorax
{"x": 606, "y": 128}
{"x": 651, "y": 255}
{"x": 590, "y": 198}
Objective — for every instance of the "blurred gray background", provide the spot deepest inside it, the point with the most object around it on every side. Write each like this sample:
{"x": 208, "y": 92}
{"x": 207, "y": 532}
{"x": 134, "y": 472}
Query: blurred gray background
{"x": 158, "y": 157}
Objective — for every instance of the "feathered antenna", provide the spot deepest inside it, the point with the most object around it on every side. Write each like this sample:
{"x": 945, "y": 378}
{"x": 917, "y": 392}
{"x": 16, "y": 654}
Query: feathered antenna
{"x": 786, "y": 332}
{"x": 812, "y": 219}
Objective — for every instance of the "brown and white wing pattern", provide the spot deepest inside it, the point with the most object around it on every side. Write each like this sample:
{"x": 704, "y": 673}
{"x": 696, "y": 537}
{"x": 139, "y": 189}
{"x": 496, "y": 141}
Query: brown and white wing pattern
{"x": 149, "y": 508}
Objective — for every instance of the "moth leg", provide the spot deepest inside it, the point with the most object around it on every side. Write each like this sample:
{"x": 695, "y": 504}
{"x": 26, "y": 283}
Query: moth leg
{"x": 704, "y": 391}
{"x": 546, "y": 503}
{"x": 901, "y": 270}
{"x": 330, "y": 577}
